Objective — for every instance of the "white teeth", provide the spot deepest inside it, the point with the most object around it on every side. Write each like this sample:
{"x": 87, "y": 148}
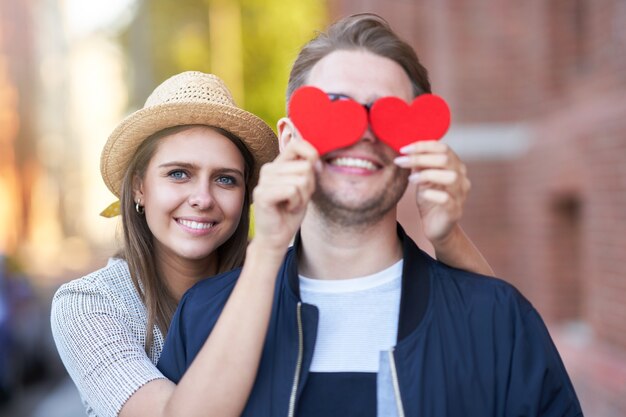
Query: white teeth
{"x": 195, "y": 225}
{"x": 353, "y": 163}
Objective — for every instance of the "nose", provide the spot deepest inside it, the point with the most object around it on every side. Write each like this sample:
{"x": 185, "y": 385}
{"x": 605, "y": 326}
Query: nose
{"x": 368, "y": 135}
{"x": 201, "y": 197}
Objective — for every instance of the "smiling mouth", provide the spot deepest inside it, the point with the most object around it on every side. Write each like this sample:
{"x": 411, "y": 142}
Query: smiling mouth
{"x": 349, "y": 162}
{"x": 195, "y": 225}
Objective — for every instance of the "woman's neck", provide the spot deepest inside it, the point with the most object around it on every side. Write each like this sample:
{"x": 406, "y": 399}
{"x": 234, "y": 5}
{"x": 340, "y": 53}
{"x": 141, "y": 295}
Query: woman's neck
{"x": 180, "y": 274}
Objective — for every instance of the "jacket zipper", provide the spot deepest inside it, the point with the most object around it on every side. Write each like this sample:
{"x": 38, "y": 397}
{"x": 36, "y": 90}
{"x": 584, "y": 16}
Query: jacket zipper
{"x": 396, "y": 385}
{"x": 296, "y": 377}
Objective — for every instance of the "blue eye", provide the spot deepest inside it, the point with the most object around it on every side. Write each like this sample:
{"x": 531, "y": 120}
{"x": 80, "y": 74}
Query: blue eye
{"x": 177, "y": 174}
{"x": 226, "y": 180}
{"x": 336, "y": 97}
{"x": 343, "y": 97}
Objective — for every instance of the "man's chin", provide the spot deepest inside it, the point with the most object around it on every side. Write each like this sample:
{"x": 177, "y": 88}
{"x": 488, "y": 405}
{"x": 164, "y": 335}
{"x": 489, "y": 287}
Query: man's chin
{"x": 358, "y": 203}
{"x": 350, "y": 212}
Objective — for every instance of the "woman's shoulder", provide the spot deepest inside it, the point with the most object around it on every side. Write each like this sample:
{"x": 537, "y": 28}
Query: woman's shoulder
{"x": 112, "y": 282}
{"x": 114, "y": 274}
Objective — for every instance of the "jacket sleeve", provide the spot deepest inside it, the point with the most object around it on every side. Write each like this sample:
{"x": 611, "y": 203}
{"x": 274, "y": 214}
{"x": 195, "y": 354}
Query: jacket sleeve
{"x": 173, "y": 362}
{"x": 538, "y": 382}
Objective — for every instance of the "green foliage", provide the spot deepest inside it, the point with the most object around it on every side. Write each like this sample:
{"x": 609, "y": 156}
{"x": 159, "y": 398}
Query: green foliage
{"x": 175, "y": 37}
{"x": 274, "y": 31}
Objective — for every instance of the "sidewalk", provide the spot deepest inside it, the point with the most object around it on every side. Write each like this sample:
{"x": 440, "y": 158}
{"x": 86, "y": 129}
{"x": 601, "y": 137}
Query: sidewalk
{"x": 47, "y": 400}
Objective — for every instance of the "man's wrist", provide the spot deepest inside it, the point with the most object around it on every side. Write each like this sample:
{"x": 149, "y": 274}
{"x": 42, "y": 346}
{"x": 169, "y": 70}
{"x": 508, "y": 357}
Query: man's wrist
{"x": 448, "y": 241}
{"x": 265, "y": 250}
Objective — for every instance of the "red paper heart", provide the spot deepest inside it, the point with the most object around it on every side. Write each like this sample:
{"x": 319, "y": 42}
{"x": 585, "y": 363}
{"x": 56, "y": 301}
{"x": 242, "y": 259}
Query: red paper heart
{"x": 397, "y": 123}
{"x": 326, "y": 124}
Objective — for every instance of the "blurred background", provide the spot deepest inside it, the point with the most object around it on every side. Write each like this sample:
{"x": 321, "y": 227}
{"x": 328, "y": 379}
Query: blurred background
{"x": 537, "y": 91}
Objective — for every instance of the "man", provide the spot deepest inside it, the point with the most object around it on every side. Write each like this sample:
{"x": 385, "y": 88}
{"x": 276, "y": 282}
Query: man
{"x": 363, "y": 322}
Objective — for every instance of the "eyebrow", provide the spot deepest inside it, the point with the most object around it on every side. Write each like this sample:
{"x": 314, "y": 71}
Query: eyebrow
{"x": 187, "y": 165}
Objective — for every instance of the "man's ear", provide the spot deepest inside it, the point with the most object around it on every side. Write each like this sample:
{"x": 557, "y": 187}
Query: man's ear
{"x": 286, "y": 132}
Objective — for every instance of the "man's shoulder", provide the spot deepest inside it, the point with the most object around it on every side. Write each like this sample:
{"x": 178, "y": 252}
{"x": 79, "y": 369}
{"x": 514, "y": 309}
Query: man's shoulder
{"x": 458, "y": 290}
{"x": 487, "y": 290}
{"x": 218, "y": 287}
{"x": 213, "y": 286}
{"x": 197, "y": 313}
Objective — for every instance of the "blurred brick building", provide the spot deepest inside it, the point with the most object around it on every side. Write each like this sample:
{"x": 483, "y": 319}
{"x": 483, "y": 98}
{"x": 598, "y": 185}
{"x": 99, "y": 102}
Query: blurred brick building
{"x": 538, "y": 96}
{"x": 17, "y": 167}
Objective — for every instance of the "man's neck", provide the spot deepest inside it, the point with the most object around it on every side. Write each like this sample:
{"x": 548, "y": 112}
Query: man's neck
{"x": 337, "y": 252}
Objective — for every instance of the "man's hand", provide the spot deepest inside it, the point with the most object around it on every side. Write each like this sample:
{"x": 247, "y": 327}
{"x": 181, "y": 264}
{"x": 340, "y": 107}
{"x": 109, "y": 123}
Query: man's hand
{"x": 283, "y": 193}
{"x": 442, "y": 186}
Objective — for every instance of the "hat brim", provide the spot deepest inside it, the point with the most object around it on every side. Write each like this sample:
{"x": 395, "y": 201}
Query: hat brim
{"x": 122, "y": 144}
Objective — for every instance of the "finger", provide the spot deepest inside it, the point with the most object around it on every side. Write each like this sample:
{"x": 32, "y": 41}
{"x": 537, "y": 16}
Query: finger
{"x": 301, "y": 181}
{"x": 279, "y": 172}
{"x": 285, "y": 168}
{"x": 298, "y": 149}
{"x": 297, "y": 180}
{"x": 286, "y": 196}
{"x": 271, "y": 192}
{"x": 435, "y": 196}
{"x": 302, "y": 192}
{"x": 425, "y": 146}
{"x": 421, "y": 161}
{"x": 463, "y": 169}
{"x": 441, "y": 180}
{"x": 434, "y": 147}
{"x": 434, "y": 176}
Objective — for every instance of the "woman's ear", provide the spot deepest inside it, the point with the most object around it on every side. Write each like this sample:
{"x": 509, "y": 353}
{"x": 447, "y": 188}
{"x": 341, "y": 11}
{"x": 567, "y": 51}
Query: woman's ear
{"x": 286, "y": 132}
{"x": 138, "y": 189}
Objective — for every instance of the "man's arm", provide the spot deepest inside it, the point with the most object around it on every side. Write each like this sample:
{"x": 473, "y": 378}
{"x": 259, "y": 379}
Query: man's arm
{"x": 457, "y": 250}
{"x": 442, "y": 187}
{"x": 538, "y": 382}
{"x": 226, "y": 365}
{"x": 218, "y": 380}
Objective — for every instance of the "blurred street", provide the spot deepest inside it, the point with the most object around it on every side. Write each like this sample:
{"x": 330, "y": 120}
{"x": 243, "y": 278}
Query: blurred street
{"x": 57, "y": 398}
{"x": 537, "y": 93}
{"x": 34, "y": 381}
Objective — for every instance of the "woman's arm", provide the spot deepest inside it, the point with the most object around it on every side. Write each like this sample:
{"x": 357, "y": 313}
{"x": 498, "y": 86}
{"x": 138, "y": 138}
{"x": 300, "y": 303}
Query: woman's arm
{"x": 442, "y": 187}
{"x": 98, "y": 329}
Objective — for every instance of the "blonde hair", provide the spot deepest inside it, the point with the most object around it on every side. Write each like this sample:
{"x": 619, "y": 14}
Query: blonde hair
{"x": 365, "y": 31}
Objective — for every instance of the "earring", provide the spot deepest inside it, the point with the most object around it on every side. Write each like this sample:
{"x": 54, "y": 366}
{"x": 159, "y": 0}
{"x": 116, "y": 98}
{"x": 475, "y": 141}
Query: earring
{"x": 139, "y": 208}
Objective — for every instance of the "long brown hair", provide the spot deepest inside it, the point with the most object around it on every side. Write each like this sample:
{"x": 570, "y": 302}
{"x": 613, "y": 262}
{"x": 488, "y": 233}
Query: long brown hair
{"x": 138, "y": 249}
{"x": 365, "y": 31}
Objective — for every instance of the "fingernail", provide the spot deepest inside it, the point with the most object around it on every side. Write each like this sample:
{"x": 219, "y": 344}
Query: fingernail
{"x": 406, "y": 149}
{"x": 414, "y": 177}
{"x": 401, "y": 160}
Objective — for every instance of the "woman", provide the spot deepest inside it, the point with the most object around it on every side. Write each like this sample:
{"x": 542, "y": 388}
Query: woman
{"x": 183, "y": 168}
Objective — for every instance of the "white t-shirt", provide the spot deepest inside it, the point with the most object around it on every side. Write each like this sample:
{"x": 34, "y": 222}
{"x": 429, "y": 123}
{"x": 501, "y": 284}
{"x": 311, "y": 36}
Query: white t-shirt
{"x": 358, "y": 318}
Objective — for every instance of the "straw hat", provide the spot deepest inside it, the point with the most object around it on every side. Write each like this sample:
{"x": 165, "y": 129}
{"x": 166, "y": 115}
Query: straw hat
{"x": 187, "y": 98}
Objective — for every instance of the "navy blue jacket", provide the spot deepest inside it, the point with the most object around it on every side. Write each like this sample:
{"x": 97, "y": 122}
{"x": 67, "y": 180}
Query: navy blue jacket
{"x": 468, "y": 345}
